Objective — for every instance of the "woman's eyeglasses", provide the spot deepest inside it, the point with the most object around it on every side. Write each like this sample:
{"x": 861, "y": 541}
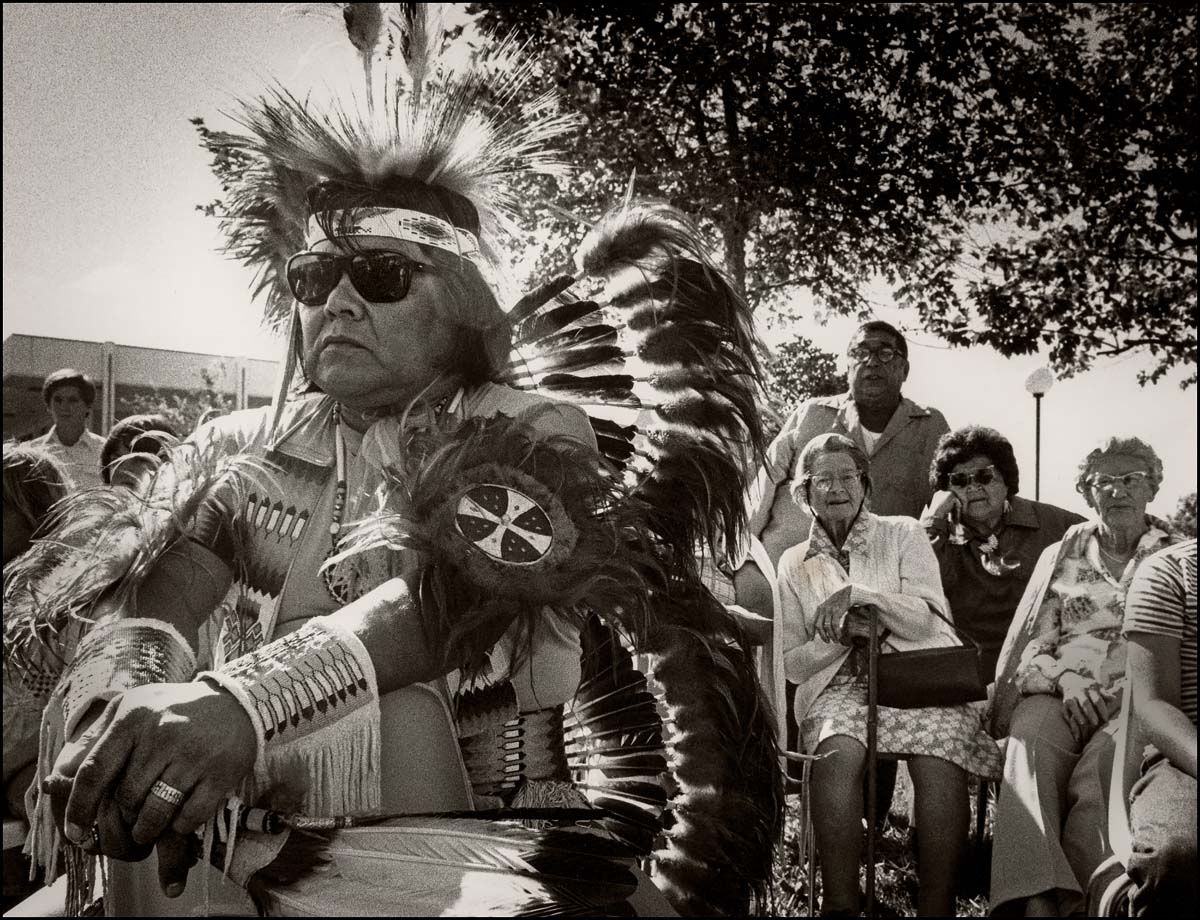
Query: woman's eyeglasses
{"x": 845, "y": 480}
{"x": 985, "y": 476}
{"x": 379, "y": 275}
{"x": 1127, "y": 481}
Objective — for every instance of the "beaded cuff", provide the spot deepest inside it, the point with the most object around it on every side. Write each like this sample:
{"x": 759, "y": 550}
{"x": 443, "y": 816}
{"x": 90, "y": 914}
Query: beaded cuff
{"x": 120, "y": 655}
{"x": 314, "y": 704}
{"x": 117, "y": 654}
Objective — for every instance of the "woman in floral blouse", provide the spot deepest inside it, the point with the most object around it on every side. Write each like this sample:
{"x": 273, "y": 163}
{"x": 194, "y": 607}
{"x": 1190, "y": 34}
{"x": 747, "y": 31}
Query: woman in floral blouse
{"x": 1058, "y": 685}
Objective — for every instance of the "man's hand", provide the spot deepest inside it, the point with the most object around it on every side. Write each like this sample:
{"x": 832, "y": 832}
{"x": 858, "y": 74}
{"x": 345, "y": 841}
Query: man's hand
{"x": 193, "y": 737}
{"x": 827, "y": 622}
{"x": 1086, "y": 706}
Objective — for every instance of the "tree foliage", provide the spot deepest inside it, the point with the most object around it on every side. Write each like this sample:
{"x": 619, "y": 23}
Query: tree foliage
{"x": 1016, "y": 172}
{"x": 799, "y": 370}
{"x": 184, "y": 410}
{"x": 1184, "y": 518}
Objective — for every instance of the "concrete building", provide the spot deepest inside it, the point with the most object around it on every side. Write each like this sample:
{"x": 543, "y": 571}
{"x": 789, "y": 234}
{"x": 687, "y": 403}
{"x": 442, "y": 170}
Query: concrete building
{"x": 126, "y": 377}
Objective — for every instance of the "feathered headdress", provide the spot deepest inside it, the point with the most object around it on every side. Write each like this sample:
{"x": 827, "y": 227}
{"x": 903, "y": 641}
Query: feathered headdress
{"x": 646, "y": 336}
{"x": 448, "y": 122}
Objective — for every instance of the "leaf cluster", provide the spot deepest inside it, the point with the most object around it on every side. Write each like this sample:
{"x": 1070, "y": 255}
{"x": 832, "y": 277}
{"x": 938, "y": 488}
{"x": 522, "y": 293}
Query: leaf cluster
{"x": 800, "y": 370}
{"x": 1016, "y": 172}
{"x": 184, "y": 410}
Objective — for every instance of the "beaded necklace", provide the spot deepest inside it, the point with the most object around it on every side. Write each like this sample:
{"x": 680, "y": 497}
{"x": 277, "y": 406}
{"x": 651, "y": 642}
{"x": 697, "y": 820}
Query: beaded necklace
{"x": 339, "y": 590}
{"x": 338, "y": 586}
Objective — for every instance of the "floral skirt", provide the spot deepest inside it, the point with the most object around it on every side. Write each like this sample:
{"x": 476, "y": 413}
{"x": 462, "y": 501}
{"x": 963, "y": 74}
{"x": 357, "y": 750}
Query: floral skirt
{"x": 953, "y": 733}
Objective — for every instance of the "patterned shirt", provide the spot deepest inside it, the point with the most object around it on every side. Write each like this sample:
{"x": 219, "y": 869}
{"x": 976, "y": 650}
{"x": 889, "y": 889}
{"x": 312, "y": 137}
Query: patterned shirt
{"x": 1162, "y": 602}
{"x": 1078, "y": 627}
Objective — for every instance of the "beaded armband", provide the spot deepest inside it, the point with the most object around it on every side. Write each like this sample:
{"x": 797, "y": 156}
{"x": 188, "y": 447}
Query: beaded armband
{"x": 120, "y": 655}
{"x": 116, "y": 655}
{"x": 314, "y": 704}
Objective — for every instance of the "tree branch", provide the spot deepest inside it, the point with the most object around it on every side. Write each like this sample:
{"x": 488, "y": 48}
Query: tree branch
{"x": 761, "y": 289}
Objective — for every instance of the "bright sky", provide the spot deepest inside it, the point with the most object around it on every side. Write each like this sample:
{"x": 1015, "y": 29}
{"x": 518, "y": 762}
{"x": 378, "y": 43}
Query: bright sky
{"x": 102, "y": 241}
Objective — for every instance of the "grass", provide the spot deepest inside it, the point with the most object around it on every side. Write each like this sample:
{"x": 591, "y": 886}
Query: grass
{"x": 895, "y": 867}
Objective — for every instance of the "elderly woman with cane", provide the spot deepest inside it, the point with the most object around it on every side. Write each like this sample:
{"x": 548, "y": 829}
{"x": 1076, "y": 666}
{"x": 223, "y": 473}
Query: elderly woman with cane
{"x": 855, "y": 567}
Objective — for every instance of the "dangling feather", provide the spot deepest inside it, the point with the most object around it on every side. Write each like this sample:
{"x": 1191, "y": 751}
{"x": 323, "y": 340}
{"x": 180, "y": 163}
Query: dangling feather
{"x": 728, "y": 811}
{"x": 680, "y": 420}
{"x": 690, "y": 330}
{"x": 456, "y": 867}
{"x": 422, "y": 27}
{"x": 687, "y": 349}
{"x": 366, "y": 28}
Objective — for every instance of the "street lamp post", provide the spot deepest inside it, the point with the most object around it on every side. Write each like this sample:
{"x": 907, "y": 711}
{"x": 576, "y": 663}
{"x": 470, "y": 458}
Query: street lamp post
{"x": 1037, "y": 384}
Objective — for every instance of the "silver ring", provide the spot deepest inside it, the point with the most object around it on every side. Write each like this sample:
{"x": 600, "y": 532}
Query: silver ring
{"x": 96, "y": 838}
{"x": 167, "y": 793}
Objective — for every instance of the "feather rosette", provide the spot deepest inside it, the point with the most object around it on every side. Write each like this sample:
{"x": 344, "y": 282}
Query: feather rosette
{"x": 508, "y": 521}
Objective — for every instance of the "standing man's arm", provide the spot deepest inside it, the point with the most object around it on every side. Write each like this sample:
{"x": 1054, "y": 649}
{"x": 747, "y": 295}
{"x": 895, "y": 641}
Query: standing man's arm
{"x": 935, "y": 428}
{"x": 776, "y": 468}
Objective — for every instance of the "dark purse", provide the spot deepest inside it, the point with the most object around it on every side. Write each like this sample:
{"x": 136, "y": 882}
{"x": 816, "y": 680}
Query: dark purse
{"x": 932, "y": 676}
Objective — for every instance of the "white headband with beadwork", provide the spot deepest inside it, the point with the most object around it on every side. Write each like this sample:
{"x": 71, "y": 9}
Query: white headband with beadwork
{"x": 399, "y": 224}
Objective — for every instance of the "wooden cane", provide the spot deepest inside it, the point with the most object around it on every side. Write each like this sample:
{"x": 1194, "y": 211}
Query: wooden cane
{"x": 872, "y": 740}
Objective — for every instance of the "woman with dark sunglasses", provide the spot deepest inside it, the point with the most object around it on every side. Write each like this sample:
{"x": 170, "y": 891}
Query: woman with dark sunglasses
{"x": 987, "y": 538}
{"x": 1059, "y": 682}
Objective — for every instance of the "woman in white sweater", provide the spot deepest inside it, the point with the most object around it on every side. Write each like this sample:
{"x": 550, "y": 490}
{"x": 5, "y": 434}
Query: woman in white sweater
{"x": 853, "y": 566}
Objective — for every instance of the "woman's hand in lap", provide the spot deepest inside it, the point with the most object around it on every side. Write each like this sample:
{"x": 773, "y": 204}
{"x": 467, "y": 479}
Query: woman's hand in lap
{"x": 1086, "y": 704}
{"x": 827, "y": 621}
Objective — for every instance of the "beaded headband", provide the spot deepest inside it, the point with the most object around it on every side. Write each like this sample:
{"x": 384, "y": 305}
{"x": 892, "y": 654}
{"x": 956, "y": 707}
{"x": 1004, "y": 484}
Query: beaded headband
{"x": 399, "y": 224}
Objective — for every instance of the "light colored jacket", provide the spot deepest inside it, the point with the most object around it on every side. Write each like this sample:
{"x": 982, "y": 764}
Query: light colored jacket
{"x": 899, "y": 466}
{"x": 892, "y": 557}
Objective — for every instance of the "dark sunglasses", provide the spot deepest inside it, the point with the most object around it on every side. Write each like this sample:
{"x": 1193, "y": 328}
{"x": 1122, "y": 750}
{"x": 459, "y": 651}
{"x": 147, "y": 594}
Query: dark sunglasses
{"x": 379, "y": 275}
{"x": 984, "y": 477}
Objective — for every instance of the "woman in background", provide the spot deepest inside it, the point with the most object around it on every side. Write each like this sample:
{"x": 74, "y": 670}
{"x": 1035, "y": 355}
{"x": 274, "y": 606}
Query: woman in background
{"x": 987, "y": 538}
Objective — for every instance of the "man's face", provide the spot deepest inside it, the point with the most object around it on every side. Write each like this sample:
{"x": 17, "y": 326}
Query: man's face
{"x": 67, "y": 407}
{"x": 874, "y": 381}
{"x": 375, "y": 354}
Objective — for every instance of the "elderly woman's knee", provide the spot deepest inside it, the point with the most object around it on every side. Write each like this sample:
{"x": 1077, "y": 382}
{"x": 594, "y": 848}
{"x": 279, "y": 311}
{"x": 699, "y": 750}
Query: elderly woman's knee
{"x": 843, "y": 760}
{"x": 1032, "y": 709}
{"x": 1039, "y": 720}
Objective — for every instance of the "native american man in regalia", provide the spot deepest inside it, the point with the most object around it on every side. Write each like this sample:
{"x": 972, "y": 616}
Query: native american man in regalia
{"x": 368, "y": 649}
